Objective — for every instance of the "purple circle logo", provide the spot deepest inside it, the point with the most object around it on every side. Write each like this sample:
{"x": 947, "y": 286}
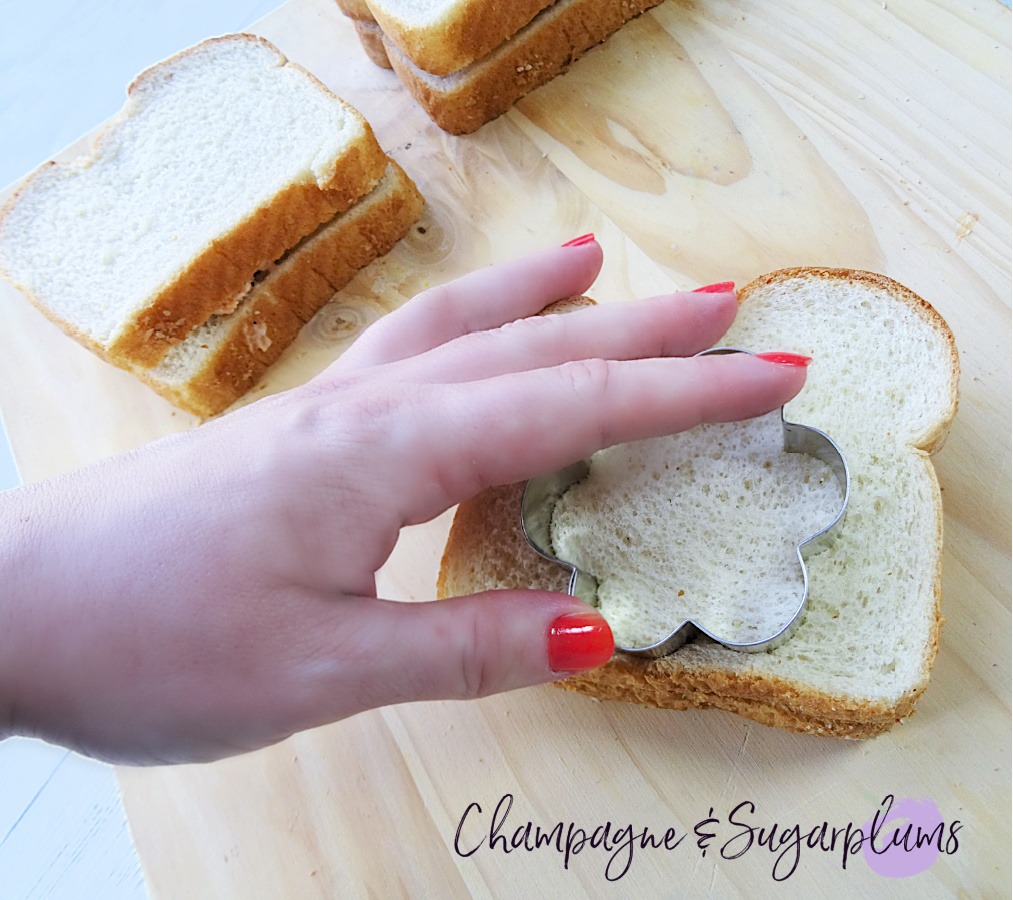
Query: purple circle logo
{"x": 904, "y": 837}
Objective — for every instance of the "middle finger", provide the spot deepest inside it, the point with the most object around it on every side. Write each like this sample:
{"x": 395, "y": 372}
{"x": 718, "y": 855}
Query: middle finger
{"x": 679, "y": 324}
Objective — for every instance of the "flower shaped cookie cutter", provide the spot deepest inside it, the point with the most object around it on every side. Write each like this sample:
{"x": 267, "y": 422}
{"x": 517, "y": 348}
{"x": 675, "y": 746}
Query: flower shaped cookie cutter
{"x": 541, "y": 495}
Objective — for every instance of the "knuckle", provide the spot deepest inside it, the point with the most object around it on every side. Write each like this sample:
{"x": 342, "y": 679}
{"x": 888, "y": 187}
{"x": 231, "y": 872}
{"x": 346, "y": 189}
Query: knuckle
{"x": 480, "y": 675}
{"x": 386, "y": 405}
{"x": 441, "y": 303}
{"x": 437, "y": 298}
{"x": 374, "y": 408}
{"x": 588, "y": 379}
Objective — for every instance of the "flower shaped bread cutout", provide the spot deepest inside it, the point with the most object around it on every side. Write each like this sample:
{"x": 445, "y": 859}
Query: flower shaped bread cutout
{"x": 703, "y": 532}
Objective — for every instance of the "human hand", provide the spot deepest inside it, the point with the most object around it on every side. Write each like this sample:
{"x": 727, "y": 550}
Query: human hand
{"x": 214, "y": 592}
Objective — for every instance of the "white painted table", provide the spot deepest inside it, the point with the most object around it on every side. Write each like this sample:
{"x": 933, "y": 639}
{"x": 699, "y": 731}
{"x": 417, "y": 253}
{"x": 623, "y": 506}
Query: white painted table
{"x": 64, "y": 67}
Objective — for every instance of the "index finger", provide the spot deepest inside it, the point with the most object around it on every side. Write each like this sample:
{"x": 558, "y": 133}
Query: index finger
{"x": 513, "y": 427}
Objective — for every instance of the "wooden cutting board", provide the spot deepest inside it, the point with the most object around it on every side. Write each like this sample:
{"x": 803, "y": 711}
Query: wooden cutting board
{"x": 707, "y": 140}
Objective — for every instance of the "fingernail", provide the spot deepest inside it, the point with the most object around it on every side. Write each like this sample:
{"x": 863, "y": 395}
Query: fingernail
{"x": 580, "y": 241}
{"x": 579, "y": 641}
{"x": 721, "y": 287}
{"x": 786, "y": 359}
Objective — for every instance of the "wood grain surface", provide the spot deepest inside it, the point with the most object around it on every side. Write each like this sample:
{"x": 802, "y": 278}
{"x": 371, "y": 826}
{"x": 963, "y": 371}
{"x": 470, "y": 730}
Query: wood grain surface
{"x": 705, "y": 141}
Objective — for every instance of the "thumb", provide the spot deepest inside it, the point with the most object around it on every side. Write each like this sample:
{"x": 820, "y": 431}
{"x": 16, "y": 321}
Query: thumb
{"x": 468, "y": 647}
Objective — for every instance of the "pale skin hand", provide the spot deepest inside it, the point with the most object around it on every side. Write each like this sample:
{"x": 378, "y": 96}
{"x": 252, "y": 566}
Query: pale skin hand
{"x": 214, "y": 592}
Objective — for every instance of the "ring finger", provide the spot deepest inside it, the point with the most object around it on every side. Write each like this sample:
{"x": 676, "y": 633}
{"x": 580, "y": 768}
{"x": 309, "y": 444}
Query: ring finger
{"x": 678, "y": 324}
{"x": 480, "y": 300}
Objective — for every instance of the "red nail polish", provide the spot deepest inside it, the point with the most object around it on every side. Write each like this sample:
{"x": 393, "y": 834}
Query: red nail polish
{"x": 579, "y": 641}
{"x": 722, "y": 287}
{"x": 580, "y": 241}
{"x": 786, "y": 359}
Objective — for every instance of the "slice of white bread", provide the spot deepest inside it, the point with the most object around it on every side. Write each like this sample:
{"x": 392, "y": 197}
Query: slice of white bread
{"x": 442, "y": 36}
{"x": 467, "y": 98}
{"x": 222, "y": 158}
{"x": 884, "y": 385}
{"x": 226, "y": 356}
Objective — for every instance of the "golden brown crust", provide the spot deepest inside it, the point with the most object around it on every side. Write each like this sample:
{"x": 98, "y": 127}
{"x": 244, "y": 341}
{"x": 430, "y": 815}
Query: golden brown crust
{"x": 474, "y": 29}
{"x": 469, "y": 99}
{"x": 765, "y": 713}
{"x": 270, "y": 319}
{"x": 486, "y": 549}
{"x": 356, "y": 9}
{"x": 263, "y": 237}
{"x": 229, "y": 265}
{"x": 240, "y": 361}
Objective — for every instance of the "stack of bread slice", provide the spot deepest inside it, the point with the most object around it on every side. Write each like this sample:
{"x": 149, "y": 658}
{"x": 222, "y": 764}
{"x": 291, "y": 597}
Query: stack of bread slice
{"x": 215, "y": 214}
{"x": 469, "y": 61}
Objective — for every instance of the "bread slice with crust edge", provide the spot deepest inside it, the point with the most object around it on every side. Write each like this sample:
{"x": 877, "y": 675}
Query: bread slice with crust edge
{"x": 221, "y": 361}
{"x": 449, "y": 39}
{"x": 465, "y": 99}
{"x": 222, "y": 271}
{"x": 486, "y": 550}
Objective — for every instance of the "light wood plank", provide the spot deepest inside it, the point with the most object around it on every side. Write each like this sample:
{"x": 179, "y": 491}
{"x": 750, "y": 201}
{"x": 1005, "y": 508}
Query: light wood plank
{"x": 704, "y": 141}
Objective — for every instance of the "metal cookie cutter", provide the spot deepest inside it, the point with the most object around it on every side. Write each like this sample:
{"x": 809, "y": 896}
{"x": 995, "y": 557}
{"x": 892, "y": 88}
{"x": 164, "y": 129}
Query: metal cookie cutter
{"x": 542, "y": 494}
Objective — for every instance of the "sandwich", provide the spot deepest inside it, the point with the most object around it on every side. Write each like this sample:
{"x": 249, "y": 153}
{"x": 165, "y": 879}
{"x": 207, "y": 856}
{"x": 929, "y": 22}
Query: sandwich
{"x": 468, "y": 61}
{"x": 883, "y": 384}
{"x": 216, "y": 212}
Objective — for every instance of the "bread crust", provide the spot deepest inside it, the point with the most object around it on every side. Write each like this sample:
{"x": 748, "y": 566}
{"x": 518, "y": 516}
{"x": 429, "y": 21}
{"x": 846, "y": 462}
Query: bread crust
{"x": 471, "y": 30}
{"x": 270, "y": 318}
{"x": 356, "y": 9}
{"x": 472, "y": 96}
{"x": 226, "y": 267}
{"x": 486, "y": 549}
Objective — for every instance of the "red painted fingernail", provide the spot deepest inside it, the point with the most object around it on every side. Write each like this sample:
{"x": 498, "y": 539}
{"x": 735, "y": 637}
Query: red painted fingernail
{"x": 580, "y": 241}
{"x": 579, "y": 641}
{"x": 786, "y": 359}
{"x": 722, "y": 287}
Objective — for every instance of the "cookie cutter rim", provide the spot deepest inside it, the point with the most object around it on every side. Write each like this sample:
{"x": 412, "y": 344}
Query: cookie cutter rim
{"x": 542, "y": 493}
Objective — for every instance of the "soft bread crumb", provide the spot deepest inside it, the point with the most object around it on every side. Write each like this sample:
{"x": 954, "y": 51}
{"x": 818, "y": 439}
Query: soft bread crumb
{"x": 256, "y": 336}
{"x": 722, "y": 553}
